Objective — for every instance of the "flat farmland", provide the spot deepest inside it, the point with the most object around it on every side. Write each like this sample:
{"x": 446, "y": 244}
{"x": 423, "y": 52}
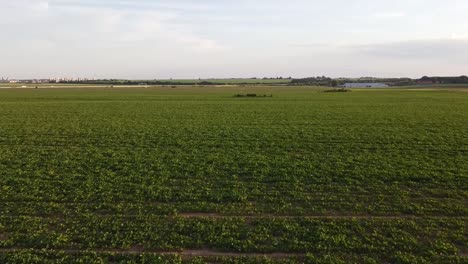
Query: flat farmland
{"x": 195, "y": 175}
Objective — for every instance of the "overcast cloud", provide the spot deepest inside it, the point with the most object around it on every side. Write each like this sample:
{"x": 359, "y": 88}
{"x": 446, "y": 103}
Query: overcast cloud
{"x": 242, "y": 38}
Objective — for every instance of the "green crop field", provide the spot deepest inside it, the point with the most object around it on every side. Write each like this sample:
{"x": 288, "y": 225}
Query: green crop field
{"x": 195, "y": 175}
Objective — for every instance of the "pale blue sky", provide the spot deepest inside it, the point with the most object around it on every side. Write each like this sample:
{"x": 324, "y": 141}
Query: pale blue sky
{"x": 241, "y": 38}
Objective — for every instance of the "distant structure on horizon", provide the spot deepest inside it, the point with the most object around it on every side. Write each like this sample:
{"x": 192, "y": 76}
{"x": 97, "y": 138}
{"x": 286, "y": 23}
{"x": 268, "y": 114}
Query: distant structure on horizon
{"x": 364, "y": 85}
{"x": 50, "y": 80}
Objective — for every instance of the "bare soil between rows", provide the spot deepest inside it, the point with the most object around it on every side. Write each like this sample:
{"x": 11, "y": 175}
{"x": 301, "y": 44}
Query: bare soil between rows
{"x": 184, "y": 253}
{"x": 264, "y": 215}
{"x": 216, "y": 215}
{"x": 189, "y": 253}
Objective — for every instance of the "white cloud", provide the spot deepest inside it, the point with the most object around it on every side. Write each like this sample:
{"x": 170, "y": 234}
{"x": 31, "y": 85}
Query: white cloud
{"x": 126, "y": 26}
{"x": 42, "y": 6}
{"x": 389, "y": 15}
{"x": 428, "y": 50}
{"x": 458, "y": 36}
{"x": 87, "y": 23}
{"x": 185, "y": 38}
{"x": 22, "y": 11}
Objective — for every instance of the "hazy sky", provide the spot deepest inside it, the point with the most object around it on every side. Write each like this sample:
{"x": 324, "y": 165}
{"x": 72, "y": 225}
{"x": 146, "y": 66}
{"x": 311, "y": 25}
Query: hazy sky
{"x": 232, "y": 38}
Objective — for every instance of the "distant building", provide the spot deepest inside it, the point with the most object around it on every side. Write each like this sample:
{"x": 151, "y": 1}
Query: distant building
{"x": 364, "y": 85}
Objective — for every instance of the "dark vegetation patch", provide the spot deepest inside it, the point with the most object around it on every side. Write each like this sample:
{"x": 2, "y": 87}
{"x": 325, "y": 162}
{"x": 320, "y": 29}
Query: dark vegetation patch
{"x": 253, "y": 95}
{"x": 340, "y": 90}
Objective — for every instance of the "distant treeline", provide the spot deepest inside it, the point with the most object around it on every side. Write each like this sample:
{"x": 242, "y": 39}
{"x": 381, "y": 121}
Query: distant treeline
{"x": 445, "y": 80}
{"x": 128, "y": 82}
{"x": 327, "y": 81}
{"x": 269, "y": 81}
{"x": 310, "y": 81}
{"x": 315, "y": 81}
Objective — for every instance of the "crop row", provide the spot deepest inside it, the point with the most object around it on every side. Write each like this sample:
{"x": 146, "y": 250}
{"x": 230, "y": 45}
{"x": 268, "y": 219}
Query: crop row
{"x": 425, "y": 237}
